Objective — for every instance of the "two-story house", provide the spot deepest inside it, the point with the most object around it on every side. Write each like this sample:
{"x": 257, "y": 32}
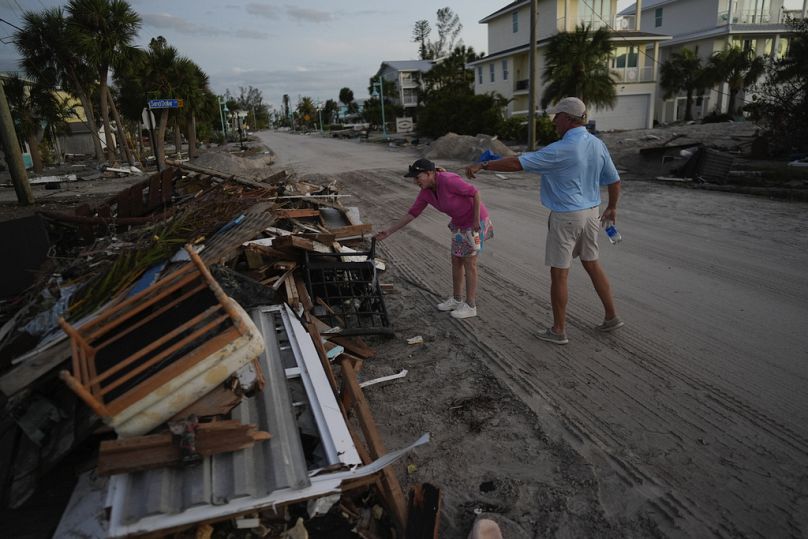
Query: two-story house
{"x": 407, "y": 75}
{"x": 709, "y": 26}
{"x": 505, "y": 70}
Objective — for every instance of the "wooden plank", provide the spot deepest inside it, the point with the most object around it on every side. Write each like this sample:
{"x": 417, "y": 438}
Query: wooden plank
{"x": 139, "y": 453}
{"x": 354, "y": 345}
{"x": 392, "y": 488}
{"x": 303, "y": 293}
{"x": 351, "y": 231}
{"x": 423, "y": 519}
{"x": 297, "y": 242}
{"x": 295, "y": 213}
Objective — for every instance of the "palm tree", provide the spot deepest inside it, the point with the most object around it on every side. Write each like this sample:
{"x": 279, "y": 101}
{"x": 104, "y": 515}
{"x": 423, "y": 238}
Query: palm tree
{"x": 49, "y": 58}
{"x": 683, "y": 72}
{"x": 739, "y": 68}
{"x": 161, "y": 70}
{"x": 30, "y": 105}
{"x": 307, "y": 110}
{"x": 103, "y": 31}
{"x": 577, "y": 64}
{"x": 193, "y": 87}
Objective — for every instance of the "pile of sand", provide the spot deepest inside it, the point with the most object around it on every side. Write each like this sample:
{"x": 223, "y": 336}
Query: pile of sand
{"x": 466, "y": 148}
{"x": 251, "y": 168}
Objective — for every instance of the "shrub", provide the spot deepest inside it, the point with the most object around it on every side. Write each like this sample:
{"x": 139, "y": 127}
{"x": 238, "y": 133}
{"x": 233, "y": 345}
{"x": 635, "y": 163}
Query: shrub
{"x": 461, "y": 114}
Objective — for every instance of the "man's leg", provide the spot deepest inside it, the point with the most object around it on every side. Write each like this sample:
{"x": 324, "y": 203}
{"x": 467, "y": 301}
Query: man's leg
{"x": 558, "y": 298}
{"x": 601, "y": 284}
{"x": 470, "y": 267}
{"x": 457, "y": 277}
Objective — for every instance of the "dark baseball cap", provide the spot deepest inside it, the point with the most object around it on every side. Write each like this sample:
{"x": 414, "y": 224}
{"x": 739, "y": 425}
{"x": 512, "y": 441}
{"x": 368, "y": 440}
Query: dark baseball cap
{"x": 422, "y": 165}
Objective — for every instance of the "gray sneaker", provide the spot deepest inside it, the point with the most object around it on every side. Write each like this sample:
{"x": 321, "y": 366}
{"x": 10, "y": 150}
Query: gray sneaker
{"x": 550, "y": 336}
{"x": 449, "y": 305}
{"x": 610, "y": 325}
{"x": 464, "y": 311}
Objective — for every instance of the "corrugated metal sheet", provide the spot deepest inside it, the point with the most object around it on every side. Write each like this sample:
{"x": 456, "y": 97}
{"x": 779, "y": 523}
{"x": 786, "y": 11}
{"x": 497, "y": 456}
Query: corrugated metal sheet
{"x": 224, "y": 245}
{"x": 274, "y": 470}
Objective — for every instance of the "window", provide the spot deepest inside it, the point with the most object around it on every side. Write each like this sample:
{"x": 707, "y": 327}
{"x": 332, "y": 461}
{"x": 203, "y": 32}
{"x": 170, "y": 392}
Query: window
{"x": 504, "y": 69}
{"x": 658, "y": 17}
{"x": 491, "y": 71}
{"x": 479, "y": 74}
{"x": 625, "y": 57}
{"x": 515, "y": 19}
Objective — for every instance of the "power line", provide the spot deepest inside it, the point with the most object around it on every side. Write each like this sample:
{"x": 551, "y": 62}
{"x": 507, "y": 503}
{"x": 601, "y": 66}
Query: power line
{"x": 11, "y": 24}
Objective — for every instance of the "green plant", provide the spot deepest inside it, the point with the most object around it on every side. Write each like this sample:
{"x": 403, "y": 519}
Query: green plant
{"x": 514, "y": 129}
{"x": 545, "y": 130}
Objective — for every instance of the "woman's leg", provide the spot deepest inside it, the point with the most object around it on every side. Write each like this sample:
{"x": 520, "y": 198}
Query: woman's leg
{"x": 470, "y": 269}
{"x": 457, "y": 277}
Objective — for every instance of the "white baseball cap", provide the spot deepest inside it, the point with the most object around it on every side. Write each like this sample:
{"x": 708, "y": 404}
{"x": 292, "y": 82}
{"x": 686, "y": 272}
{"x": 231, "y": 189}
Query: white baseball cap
{"x": 569, "y": 105}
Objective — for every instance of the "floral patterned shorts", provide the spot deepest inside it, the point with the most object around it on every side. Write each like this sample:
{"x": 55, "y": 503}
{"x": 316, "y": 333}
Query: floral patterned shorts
{"x": 461, "y": 245}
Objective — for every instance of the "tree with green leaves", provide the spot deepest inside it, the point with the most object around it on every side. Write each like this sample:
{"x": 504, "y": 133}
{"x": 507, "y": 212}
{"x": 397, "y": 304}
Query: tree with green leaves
{"x": 34, "y": 108}
{"x": 683, "y": 72}
{"x": 44, "y": 44}
{"x": 330, "y": 111}
{"x": 739, "y": 68}
{"x": 420, "y": 35}
{"x": 306, "y": 111}
{"x": 577, "y": 65}
{"x": 451, "y": 75}
{"x": 780, "y": 100}
{"x": 102, "y": 30}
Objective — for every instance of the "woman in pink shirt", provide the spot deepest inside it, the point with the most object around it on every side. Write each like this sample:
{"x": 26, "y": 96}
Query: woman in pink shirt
{"x": 449, "y": 193}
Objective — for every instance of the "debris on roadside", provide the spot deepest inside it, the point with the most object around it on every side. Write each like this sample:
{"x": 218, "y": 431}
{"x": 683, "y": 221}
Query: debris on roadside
{"x": 467, "y": 148}
{"x": 208, "y": 342}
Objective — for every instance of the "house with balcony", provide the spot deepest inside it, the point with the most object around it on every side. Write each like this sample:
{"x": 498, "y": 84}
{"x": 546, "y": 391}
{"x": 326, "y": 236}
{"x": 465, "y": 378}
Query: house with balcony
{"x": 407, "y": 75}
{"x": 709, "y": 26}
{"x": 634, "y": 63}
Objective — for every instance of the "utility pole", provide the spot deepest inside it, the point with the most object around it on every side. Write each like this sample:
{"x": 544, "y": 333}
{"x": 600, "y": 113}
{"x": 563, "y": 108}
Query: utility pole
{"x": 11, "y": 149}
{"x": 531, "y": 100}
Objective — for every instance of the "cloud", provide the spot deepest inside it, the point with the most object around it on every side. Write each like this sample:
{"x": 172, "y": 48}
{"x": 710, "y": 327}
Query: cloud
{"x": 183, "y": 26}
{"x": 262, "y": 10}
{"x": 309, "y": 15}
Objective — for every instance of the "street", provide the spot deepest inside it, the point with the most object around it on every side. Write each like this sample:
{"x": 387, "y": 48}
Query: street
{"x": 695, "y": 414}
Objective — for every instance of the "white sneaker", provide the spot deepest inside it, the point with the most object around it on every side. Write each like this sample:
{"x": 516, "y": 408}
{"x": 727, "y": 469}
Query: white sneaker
{"x": 464, "y": 311}
{"x": 450, "y": 304}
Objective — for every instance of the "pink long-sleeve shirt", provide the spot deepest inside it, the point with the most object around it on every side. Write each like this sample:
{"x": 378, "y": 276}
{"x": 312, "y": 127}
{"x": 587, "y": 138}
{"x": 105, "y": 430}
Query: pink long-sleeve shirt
{"x": 452, "y": 196}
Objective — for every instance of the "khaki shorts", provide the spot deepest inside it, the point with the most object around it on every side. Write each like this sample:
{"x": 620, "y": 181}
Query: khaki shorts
{"x": 572, "y": 234}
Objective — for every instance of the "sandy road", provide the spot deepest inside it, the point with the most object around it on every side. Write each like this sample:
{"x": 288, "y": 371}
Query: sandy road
{"x": 696, "y": 414}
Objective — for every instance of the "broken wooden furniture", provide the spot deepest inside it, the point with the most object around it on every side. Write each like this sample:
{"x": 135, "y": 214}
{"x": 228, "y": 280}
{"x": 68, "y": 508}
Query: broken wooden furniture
{"x": 346, "y": 292}
{"x": 138, "y": 363}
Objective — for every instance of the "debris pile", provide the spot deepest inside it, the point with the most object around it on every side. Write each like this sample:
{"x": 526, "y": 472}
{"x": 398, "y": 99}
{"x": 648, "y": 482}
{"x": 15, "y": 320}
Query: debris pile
{"x": 467, "y": 148}
{"x": 203, "y": 331}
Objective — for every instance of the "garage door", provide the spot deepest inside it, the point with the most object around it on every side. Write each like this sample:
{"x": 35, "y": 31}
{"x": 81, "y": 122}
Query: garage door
{"x": 630, "y": 112}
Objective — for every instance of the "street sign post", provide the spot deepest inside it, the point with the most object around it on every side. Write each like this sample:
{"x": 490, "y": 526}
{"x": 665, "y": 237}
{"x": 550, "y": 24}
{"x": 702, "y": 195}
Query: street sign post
{"x": 165, "y": 103}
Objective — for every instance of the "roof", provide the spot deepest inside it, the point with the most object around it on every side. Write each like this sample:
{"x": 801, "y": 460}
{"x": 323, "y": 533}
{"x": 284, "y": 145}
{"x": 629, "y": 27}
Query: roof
{"x": 509, "y": 7}
{"x": 409, "y": 65}
{"x": 646, "y": 4}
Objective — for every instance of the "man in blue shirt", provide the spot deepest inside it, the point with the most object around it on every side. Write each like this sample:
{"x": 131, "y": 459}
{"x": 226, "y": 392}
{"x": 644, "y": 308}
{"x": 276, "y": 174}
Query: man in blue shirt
{"x": 572, "y": 171}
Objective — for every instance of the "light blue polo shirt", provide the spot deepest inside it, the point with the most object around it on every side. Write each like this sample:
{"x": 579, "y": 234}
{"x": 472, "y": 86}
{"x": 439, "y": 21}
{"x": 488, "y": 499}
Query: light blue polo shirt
{"x": 572, "y": 171}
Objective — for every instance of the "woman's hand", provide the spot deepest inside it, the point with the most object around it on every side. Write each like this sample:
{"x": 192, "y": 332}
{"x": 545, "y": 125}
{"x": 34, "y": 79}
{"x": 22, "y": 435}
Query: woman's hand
{"x": 381, "y": 235}
{"x": 476, "y": 227}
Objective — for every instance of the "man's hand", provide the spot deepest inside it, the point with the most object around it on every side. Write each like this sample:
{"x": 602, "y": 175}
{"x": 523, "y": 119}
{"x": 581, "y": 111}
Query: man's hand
{"x": 609, "y": 215}
{"x": 471, "y": 170}
{"x": 381, "y": 235}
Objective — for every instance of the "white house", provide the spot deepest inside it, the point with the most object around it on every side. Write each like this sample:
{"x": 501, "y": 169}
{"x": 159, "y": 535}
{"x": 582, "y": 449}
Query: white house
{"x": 407, "y": 75}
{"x": 505, "y": 69}
{"x": 709, "y": 26}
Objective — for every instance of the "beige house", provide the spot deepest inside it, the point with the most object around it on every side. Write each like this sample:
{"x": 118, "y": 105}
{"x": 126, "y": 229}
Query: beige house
{"x": 709, "y": 26}
{"x": 634, "y": 62}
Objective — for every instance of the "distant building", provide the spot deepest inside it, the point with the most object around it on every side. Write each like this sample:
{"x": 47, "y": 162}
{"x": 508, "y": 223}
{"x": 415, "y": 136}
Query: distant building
{"x": 707, "y": 27}
{"x": 408, "y": 76}
{"x": 505, "y": 70}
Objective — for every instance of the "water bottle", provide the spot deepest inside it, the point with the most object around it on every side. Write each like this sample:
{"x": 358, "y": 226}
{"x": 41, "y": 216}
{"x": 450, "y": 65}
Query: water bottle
{"x": 614, "y": 235}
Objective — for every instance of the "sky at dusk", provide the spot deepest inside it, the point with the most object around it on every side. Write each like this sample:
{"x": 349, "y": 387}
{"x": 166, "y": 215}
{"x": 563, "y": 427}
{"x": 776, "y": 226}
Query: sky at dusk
{"x": 301, "y": 48}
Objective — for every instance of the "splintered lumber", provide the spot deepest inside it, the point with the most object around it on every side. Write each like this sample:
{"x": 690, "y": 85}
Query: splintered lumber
{"x": 423, "y": 518}
{"x": 217, "y": 402}
{"x": 217, "y": 174}
{"x": 296, "y": 242}
{"x": 159, "y": 450}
